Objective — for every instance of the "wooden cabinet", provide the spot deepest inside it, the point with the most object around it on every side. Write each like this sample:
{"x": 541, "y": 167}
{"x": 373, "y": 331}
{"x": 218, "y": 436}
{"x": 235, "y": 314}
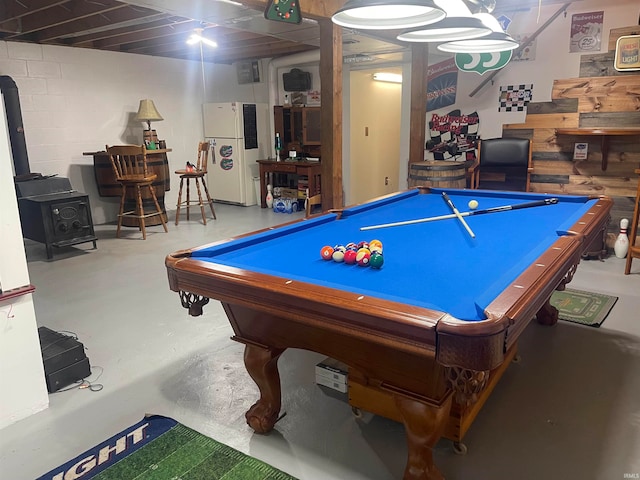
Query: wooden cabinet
{"x": 300, "y": 129}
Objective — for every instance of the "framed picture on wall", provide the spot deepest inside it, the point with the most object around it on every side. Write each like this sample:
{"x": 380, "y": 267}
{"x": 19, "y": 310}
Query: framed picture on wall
{"x": 627, "y": 53}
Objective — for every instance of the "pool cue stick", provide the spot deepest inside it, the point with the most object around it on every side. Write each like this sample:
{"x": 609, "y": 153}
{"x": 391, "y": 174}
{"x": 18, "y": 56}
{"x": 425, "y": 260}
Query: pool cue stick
{"x": 457, "y": 213}
{"x": 503, "y": 208}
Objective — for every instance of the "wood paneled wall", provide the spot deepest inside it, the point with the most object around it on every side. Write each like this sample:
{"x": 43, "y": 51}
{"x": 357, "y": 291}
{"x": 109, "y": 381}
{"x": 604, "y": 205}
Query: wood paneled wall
{"x": 600, "y": 97}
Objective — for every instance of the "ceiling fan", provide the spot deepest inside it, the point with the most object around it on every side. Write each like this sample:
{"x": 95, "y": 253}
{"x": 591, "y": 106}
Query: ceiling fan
{"x": 197, "y": 37}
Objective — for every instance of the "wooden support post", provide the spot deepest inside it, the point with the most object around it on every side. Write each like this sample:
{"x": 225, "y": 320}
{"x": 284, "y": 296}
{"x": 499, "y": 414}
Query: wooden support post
{"x": 418, "y": 114}
{"x": 331, "y": 112}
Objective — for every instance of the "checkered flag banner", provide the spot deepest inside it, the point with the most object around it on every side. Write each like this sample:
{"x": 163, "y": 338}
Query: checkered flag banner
{"x": 515, "y": 98}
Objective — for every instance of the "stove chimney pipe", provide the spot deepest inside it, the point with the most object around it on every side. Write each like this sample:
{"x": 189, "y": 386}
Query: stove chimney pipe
{"x": 15, "y": 126}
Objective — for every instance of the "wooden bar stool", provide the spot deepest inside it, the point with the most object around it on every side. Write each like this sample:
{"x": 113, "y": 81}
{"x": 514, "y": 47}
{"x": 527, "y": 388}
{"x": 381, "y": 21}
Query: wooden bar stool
{"x": 634, "y": 249}
{"x": 129, "y": 163}
{"x": 196, "y": 172}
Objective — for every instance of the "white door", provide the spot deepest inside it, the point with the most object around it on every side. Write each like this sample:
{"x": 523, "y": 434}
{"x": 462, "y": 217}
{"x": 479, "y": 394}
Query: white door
{"x": 226, "y": 174}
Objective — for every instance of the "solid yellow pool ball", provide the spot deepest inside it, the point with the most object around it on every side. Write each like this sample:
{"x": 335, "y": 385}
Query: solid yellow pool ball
{"x": 473, "y": 204}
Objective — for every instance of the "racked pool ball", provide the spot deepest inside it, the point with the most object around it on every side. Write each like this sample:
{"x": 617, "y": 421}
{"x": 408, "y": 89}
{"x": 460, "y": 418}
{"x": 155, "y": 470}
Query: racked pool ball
{"x": 375, "y": 248}
{"x": 350, "y": 256}
{"x": 352, "y": 246}
{"x": 326, "y": 252}
{"x": 362, "y": 257}
{"x": 375, "y": 242}
{"x": 376, "y": 260}
{"x": 363, "y": 245}
{"x": 338, "y": 255}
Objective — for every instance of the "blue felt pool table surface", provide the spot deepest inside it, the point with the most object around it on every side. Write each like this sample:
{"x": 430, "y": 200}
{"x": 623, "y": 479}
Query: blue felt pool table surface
{"x": 435, "y": 265}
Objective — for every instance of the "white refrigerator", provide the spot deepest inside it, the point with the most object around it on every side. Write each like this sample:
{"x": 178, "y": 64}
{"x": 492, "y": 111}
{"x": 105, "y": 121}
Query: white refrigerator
{"x": 239, "y": 135}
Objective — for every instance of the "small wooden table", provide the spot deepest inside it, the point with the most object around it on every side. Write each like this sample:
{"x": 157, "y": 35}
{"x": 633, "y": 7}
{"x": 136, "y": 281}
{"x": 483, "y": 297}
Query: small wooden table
{"x": 603, "y": 132}
{"x": 311, "y": 169}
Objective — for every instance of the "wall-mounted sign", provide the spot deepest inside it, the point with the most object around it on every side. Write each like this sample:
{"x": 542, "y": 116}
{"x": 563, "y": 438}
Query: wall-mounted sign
{"x": 515, "y": 98}
{"x": 442, "y": 85}
{"x": 453, "y": 135}
{"x": 580, "y": 151}
{"x": 586, "y": 32}
{"x": 482, "y": 62}
{"x": 528, "y": 52}
{"x": 627, "y": 53}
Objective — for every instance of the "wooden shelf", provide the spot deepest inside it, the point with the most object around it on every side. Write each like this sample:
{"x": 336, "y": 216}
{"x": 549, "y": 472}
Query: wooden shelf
{"x": 603, "y": 132}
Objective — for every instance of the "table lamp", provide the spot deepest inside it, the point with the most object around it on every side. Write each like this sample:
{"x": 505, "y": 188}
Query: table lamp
{"x": 147, "y": 112}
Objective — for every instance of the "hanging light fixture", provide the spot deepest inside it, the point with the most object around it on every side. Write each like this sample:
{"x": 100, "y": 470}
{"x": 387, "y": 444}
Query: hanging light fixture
{"x": 496, "y": 41}
{"x": 197, "y": 37}
{"x": 458, "y": 25}
{"x": 387, "y": 14}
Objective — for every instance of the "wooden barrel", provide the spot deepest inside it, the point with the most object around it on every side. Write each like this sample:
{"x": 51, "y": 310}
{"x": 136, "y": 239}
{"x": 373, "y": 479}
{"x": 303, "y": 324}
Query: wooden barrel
{"x": 157, "y": 163}
{"x": 438, "y": 173}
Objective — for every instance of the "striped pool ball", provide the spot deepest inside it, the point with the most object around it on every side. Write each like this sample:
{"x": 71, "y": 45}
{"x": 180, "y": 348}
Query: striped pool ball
{"x": 375, "y": 248}
{"x": 362, "y": 257}
{"x": 338, "y": 255}
{"x": 376, "y": 243}
{"x": 363, "y": 245}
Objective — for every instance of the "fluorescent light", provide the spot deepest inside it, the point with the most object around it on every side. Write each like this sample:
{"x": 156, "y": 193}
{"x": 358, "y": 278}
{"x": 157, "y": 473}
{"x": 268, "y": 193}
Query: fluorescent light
{"x": 388, "y": 77}
{"x": 358, "y": 58}
{"x": 387, "y": 14}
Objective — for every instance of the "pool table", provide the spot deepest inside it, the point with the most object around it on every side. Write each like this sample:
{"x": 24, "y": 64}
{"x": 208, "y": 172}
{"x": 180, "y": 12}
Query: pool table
{"x": 427, "y": 336}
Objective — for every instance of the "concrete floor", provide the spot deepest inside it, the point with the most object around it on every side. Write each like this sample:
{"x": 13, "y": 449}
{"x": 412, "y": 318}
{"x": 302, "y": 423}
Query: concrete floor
{"x": 569, "y": 409}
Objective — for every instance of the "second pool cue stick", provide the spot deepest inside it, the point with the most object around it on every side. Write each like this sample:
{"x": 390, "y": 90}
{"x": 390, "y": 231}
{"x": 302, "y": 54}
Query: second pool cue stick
{"x": 457, "y": 214}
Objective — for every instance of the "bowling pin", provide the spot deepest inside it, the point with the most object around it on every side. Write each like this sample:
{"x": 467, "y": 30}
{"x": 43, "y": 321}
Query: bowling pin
{"x": 621, "y": 246}
{"x": 269, "y": 198}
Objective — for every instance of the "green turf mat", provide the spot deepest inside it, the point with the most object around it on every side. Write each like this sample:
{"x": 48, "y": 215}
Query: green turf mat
{"x": 159, "y": 448}
{"x": 585, "y": 308}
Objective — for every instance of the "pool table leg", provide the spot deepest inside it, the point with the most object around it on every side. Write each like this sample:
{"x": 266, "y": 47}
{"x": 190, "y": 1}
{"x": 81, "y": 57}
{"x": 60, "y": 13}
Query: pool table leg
{"x": 424, "y": 425}
{"x": 548, "y": 314}
{"x": 262, "y": 364}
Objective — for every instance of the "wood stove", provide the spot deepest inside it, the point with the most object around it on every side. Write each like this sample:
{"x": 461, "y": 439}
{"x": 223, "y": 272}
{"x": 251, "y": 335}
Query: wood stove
{"x": 54, "y": 214}
{"x": 51, "y": 212}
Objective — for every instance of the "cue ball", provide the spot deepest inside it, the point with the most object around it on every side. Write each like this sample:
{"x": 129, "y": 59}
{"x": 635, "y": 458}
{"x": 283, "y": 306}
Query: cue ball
{"x": 473, "y": 204}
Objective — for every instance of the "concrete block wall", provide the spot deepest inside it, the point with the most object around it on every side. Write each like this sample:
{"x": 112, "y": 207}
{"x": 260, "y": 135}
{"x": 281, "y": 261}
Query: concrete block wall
{"x": 78, "y": 100}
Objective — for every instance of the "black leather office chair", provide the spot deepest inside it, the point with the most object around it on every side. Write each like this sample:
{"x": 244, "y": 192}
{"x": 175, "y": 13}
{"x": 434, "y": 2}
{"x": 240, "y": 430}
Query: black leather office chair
{"x": 503, "y": 164}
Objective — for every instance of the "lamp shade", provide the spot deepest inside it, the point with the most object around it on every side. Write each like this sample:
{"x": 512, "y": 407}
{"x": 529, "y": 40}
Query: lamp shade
{"x": 447, "y": 30}
{"x": 147, "y": 112}
{"x": 496, "y": 41}
{"x": 387, "y": 14}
